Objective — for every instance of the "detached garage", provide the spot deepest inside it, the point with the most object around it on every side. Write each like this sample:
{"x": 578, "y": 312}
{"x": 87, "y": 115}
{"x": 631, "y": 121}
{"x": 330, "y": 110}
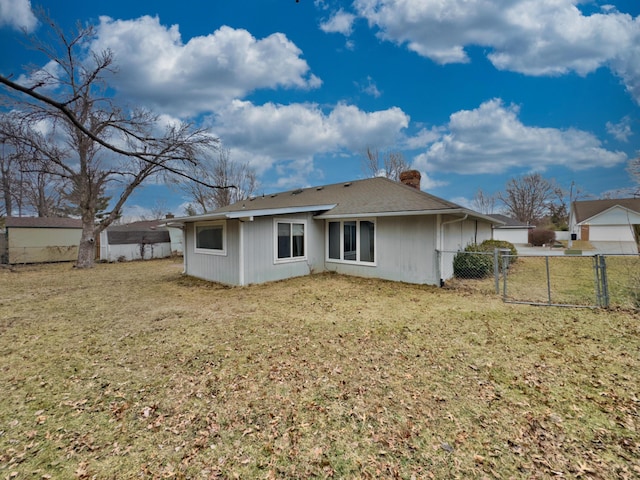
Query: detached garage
{"x": 41, "y": 239}
{"x": 610, "y": 220}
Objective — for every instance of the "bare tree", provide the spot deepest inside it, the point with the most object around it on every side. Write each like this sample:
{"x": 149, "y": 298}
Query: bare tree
{"x": 219, "y": 169}
{"x": 483, "y": 202}
{"x": 389, "y": 164}
{"x": 94, "y": 128}
{"x": 26, "y": 182}
{"x": 527, "y": 198}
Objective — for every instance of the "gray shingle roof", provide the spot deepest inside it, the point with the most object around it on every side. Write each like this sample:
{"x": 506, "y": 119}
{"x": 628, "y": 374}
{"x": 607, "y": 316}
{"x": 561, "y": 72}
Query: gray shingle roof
{"x": 586, "y": 209}
{"x": 359, "y": 197}
{"x": 42, "y": 222}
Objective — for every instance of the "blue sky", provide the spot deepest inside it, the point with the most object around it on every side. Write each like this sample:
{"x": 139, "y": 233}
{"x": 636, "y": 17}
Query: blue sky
{"x": 472, "y": 92}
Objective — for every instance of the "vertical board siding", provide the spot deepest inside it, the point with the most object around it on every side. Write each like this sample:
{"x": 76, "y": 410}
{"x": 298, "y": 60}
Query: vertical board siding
{"x": 217, "y": 268}
{"x": 404, "y": 251}
{"x": 259, "y": 238}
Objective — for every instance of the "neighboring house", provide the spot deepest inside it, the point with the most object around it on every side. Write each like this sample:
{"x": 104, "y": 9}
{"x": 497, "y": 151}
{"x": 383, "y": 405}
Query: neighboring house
{"x": 139, "y": 241}
{"x": 611, "y": 220}
{"x": 512, "y": 230}
{"x": 370, "y": 228}
{"x": 41, "y": 239}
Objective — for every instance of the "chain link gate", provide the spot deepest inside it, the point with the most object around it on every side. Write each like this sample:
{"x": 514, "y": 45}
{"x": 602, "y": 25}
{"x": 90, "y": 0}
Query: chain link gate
{"x": 561, "y": 281}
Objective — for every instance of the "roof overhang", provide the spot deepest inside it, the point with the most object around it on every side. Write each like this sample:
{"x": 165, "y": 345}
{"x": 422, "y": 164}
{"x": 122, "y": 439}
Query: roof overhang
{"x": 408, "y": 213}
{"x": 244, "y": 214}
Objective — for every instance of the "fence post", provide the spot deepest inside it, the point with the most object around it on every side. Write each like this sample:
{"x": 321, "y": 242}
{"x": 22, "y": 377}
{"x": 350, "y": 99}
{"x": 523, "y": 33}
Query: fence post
{"x": 601, "y": 281}
{"x": 505, "y": 269}
{"x": 548, "y": 280}
{"x": 496, "y": 269}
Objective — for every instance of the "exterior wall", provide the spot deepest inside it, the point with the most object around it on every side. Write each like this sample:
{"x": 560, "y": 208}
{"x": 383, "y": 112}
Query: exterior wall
{"x": 216, "y": 268}
{"x": 513, "y": 235}
{"x": 38, "y": 245}
{"x": 458, "y": 234}
{"x": 259, "y": 250}
{"x": 405, "y": 252}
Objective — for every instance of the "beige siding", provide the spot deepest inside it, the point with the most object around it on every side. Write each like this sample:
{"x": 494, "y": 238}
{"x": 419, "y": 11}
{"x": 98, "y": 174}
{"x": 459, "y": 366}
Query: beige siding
{"x": 37, "y": 245}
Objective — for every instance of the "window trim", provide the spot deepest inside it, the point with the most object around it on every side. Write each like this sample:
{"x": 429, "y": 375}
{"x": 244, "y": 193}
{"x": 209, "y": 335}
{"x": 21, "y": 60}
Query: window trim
{"x": 210, "y": 251}
{"x": 357, "y": 261}
{"x": 289, "y": 221}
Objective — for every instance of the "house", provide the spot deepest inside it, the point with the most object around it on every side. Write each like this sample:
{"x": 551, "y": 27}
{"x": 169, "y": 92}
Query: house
{"x": 139, "y": 241}
{"x": 512, "y": 230}
{"x": 610, "y": 220}
{"x": 41, "y": 239}
{"x": 370, "y": 228}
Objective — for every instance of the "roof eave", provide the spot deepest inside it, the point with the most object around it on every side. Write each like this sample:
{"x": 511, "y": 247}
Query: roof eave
{"x": 409, "y": 213}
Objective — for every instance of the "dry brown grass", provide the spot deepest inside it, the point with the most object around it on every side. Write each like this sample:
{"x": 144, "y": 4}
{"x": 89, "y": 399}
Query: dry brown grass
{"x": 135, "y": 371}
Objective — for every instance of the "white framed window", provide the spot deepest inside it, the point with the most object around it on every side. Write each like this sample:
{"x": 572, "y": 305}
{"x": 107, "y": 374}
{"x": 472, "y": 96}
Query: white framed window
{"x": 290, "y": 240}
{"x": 352, "y": 241}
{"x": 211, "y": 238}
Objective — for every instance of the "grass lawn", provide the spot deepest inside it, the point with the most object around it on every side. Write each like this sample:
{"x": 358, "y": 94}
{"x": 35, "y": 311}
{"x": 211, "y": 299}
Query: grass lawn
{"x": 133, "y": 370}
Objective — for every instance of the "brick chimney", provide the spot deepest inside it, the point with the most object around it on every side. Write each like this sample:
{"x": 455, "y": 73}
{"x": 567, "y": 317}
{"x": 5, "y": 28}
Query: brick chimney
{"x": 411, "y": 178}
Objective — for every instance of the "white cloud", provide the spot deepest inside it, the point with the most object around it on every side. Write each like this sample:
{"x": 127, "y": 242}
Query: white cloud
{"x": 370, "y": 88}
{"x": 273, "y": 135}
{"x": 340, "y": 22}
{"x": 17, "y": 14}
{"x": 620, "y": 131}
{"x": 527, "y": 36}
{"x": 157, "y": 68}
{"x": 492, "y": 139}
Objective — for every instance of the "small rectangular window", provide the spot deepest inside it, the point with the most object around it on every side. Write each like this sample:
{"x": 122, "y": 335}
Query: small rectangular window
{"x": 210, "y": 238}
{"x": 290, "y": 240}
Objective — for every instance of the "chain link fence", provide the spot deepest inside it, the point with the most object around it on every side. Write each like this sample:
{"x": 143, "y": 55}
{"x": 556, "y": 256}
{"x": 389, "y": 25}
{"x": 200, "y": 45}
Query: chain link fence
{"x": 559, "y": 280}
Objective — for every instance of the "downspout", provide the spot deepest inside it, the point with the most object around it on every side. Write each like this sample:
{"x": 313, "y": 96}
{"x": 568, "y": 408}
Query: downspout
{"x": 184, "y": 249}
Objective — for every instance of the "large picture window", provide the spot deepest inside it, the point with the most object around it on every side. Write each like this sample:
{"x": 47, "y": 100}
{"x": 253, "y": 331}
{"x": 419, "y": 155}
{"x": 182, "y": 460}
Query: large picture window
{"x": 290, "y": 240}
{"x": 351, "y": 241}
{"x": 210, "y": 238}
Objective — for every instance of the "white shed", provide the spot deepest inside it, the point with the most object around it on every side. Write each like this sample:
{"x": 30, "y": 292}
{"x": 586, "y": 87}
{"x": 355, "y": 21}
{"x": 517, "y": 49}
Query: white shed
{"x": 513, "y": 231}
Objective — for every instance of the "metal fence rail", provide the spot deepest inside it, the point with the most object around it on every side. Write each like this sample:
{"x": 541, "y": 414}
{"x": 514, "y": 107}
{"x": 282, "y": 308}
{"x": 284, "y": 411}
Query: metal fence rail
{"x": 558, "y": 280}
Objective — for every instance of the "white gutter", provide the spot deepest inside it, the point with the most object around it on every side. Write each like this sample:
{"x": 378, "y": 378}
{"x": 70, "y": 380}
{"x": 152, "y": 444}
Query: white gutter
{"x": 277, "y": 211}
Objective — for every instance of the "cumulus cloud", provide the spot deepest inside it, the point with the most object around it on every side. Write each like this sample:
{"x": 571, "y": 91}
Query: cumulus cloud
{"x": 339, "y": 22}
{"x": 156, "y": 67}
{"x": 273, "y": 135}
{"x": 17, "y": 14}
{"x": 530, "y": 37}
{"x": 492, "y": 139}
{"x": 621, "y": 130}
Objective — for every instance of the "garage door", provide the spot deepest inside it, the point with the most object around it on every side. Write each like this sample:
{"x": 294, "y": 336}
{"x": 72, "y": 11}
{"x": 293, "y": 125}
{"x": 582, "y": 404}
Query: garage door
{"x": 611, "y": 233}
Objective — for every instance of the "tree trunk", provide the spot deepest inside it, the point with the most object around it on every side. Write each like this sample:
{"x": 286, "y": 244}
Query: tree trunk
{"x": 87, "y": 247}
